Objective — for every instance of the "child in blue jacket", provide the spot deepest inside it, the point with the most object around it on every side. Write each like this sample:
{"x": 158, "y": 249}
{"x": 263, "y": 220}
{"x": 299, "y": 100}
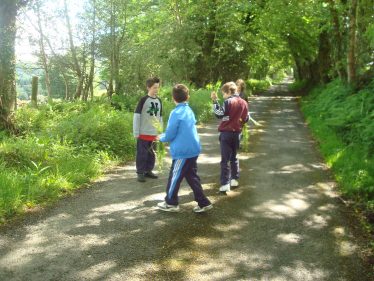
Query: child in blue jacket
{"x": 184, "y": 149}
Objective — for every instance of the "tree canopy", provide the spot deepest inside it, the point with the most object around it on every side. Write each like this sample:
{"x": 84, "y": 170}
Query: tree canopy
{"x": 118, "y": 44}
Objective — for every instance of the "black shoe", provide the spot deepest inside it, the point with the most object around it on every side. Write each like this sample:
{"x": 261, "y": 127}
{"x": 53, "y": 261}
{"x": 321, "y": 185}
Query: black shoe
{"x": 151, "y": 175}
{"x": 141, "y": 178}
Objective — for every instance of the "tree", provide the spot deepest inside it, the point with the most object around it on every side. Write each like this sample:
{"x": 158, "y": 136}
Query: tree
{"x": 43, "y": 54}
{"x": 352, "y": 43}
{"x": 8, "y": 14}
{"x": 77, "y": 66}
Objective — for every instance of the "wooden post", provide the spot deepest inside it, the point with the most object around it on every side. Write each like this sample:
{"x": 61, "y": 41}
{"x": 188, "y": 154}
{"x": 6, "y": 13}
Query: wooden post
{"x": 34, "y": 93}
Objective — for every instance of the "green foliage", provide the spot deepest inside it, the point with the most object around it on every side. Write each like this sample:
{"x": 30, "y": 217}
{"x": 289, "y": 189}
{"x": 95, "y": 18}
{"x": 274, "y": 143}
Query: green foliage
{"x": 245, "y": 138}
{"x": 10, "y": 192}
{"x": 199, "y": 101}
{"x": 99, "y": 128}
{"x": 342, "y": 121}
{"x": 64, "y": 145}
{"x": 297, "y": 85}
{"x": 257, "y": 86}
{"x": 201, "y": 104}
{"x": 370, "y": 34}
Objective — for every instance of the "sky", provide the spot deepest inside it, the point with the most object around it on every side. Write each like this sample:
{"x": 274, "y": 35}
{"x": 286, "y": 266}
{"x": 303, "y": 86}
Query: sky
{"x": 55, "y": 28}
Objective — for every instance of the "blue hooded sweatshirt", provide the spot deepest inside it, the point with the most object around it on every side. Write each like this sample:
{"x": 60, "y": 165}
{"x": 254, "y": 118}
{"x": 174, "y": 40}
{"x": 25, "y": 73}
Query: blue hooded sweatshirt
{"x": 181, "y": 133}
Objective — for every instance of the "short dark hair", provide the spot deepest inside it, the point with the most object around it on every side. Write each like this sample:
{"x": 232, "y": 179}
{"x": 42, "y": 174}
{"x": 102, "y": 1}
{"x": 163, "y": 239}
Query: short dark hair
{"x": 180, "y": 93}
{"x": 151, "y": 81}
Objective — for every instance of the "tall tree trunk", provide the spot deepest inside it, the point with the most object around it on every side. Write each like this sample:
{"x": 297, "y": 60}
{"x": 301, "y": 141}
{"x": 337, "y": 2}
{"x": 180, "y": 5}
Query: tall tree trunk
{"x": 352, "y": 41}
{"x": 8, "y": 97}
{"x": 117, "y": 55}
{"x": 93, "y": 46}
{"x": 42, "y": 53}
{"x": 320, "y": 69}
{"x": 113, "y": 44}
{"x": 338, "y": 40}
{"x": 67, "y": 95}
{"x": 77, "y": 67}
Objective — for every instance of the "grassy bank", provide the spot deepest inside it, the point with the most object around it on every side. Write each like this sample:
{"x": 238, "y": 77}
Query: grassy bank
{"x": 343, "y": 123}
{"x": 62, "y": 146}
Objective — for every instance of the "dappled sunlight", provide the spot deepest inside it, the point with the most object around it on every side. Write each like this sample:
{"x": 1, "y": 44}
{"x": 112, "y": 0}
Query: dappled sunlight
{"x": 291, "y": 238}
{"x": 300, "y": 270}
{"x": 250, "y": 155}
{"x": 209, "y": 159}
{"x": 289, "y": 169}
{"x": 107, "y": 209}
{"x": 327, "y": 188}
{"x": 346, "y": 248}
{"x": 289, "y": 206}
{"x": 279, "y": 224}
{"x": 317, "y": 221}
{"x": 91, "y": 222}
{"x": 96, "y": 271}
{"x": 215, "y": 134}
{"x": 234, "y": 226}
{"x": 327, "y": 208}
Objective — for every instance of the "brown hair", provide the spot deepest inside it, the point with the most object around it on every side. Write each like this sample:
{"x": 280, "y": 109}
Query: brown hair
{"x": 241, "y": 85}
{"x": 151, "y": 81}
{"x": 180, "y": 93}
{"x": 229, "y": 88}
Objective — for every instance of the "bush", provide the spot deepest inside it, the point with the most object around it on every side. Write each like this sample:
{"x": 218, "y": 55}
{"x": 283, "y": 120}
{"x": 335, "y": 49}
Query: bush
{"x": 255, "y": 86}
{"x": 297, "y": 85}
{"x": 342, "y": 121}
{"x": 63, "y": 145}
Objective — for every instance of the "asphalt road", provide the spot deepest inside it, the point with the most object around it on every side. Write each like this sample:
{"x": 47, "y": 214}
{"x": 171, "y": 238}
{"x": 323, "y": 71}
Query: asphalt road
{"x": 284, "y": 222}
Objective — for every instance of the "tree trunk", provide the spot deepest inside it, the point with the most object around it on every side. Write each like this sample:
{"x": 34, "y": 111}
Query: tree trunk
{"x": 93, "y": 46}
{"x": 8, "y": 97}
{"x": 320, "y": 69}
{"x": 352, "y": 41}
{"x": 338, "y": 40}
{"x": 77, "y": 67}
{"x": 112, "y": 50}
{"x": 43, "y": 54}
{"x": 67, "y": 95}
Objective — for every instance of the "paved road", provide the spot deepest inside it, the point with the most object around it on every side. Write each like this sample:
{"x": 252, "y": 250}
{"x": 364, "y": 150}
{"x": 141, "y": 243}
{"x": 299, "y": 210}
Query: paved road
{"x": 285, "y": 222}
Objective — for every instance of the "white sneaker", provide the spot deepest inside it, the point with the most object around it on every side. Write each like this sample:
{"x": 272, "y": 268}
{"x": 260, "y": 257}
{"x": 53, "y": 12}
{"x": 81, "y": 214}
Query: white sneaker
{"x": 163, "y": 206}
{"x": 234, "y": 183}
{"x": 199, "y": 209}
{"x": 224, "y": 188}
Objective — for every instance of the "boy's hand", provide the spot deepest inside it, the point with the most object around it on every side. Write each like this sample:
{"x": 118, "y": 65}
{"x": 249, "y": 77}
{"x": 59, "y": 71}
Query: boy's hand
{"x": 213, "y": 96}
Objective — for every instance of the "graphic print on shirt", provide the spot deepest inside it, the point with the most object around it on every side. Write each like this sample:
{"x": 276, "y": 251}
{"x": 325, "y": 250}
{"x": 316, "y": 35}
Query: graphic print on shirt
{"x": 153, "y": 109}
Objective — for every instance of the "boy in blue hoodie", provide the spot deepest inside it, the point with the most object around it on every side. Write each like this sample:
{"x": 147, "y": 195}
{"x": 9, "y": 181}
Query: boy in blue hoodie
{"x": 184, "y": 149}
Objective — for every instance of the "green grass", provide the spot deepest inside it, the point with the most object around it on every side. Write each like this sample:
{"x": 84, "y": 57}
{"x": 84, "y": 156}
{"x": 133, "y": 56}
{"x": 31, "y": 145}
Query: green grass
{"x": 342, "y": 122}
{"x": 64, "y": 145}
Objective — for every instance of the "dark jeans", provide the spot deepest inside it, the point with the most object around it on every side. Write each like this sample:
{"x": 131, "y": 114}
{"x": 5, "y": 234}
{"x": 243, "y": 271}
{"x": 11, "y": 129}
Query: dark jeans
{"x": 145, "y": 156}
{"x": 180, "y": 169}
{"x": 229, "y": 145}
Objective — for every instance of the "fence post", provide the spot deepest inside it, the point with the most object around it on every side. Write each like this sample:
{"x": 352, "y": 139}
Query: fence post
{"x": 34, "y": 92}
